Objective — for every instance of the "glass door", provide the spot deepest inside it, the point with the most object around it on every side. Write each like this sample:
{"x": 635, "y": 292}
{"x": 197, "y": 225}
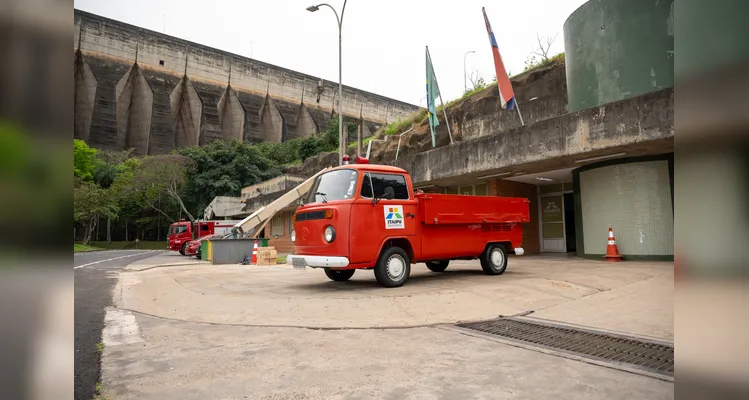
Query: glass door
{"x": 552, "y": 224}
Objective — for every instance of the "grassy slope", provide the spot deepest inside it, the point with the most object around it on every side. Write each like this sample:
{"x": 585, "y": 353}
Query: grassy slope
{"x": 77, "y": 247}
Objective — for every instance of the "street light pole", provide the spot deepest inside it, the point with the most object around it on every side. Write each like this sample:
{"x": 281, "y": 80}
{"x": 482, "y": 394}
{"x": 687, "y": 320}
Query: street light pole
{"x": 465, "y": 84}
{"x": 340, "y": 72}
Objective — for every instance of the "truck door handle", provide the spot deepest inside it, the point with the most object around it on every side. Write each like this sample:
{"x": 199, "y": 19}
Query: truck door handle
{"x": 410, "y": 215}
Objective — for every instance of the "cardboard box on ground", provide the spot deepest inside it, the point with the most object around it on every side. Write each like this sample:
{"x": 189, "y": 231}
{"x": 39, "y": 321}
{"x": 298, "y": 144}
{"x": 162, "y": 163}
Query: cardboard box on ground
{"x": 267, "y": 256}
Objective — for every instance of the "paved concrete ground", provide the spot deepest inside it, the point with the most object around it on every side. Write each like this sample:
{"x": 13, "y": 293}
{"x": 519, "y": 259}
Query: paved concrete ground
{"x": 628, "y": 297}
{"x": 201, "y": 337}
{"x": 95, "y": 276}
{"x": 185, "y": 360}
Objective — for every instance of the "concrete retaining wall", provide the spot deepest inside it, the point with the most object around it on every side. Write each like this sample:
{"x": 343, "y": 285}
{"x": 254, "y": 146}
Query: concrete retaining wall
{"x": 630, "y": 122}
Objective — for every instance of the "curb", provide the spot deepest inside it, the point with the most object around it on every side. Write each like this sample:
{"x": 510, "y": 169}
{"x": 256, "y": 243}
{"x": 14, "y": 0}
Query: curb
{"x": 146, "y": 268}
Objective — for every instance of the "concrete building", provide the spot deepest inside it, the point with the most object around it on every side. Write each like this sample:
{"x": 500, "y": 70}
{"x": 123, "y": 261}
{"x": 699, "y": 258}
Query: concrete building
{"x": 140, "y": 89}
{"x": 604, "y": 162}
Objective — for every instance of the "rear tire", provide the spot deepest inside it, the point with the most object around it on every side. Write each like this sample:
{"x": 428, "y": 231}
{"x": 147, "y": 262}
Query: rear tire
{"x": 494, "y": 259}
{"x": 437, "y": 266}
{"x": 339, "y": 275}
{"x": 393, "y": 267}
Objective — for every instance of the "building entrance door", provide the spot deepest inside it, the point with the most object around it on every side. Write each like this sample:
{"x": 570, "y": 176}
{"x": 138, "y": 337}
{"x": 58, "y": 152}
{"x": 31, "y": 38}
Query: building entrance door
{"x": 552, "y": 223}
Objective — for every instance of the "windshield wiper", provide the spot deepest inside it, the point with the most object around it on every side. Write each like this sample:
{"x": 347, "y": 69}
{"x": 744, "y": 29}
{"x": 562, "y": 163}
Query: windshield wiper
{"x": 324, "y": 196}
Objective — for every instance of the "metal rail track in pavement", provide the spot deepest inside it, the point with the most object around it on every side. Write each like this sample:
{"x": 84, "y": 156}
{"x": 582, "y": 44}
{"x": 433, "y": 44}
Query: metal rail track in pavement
{"x": 652, "y": 357}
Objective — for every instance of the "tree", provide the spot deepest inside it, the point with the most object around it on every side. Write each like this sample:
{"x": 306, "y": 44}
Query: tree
{"x": 90, "y": 203}
{"x": 108, "y": 164}
{"x": 224, "y": 168}
{"x": 477, "y": 83}
{"x": 127, "y": 197}
{"x": 163, "y": 175}
{"x": 309, "y": 147}
{"x": 83, "y": 160}
{"x": 544, "y": 44}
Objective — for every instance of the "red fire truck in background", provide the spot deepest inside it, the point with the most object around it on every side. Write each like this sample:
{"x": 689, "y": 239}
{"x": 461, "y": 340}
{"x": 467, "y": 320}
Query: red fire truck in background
{"x": 182, "y": 232}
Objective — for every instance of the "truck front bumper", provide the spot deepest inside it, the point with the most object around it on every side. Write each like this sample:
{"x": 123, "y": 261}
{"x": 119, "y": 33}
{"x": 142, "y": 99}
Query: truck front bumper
{"x": 302, "y": 261}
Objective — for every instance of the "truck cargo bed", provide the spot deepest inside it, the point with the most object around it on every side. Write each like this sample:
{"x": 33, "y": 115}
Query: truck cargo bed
{"x": 446, "y": 209}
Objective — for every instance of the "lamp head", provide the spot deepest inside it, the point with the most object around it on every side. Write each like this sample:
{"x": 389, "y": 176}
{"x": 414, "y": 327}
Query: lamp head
{"x": 313, "y": 8}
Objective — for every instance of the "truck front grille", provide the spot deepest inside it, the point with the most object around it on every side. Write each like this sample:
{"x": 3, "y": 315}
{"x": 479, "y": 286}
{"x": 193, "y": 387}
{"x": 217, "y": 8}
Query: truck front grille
{"x": 309, "y": 216}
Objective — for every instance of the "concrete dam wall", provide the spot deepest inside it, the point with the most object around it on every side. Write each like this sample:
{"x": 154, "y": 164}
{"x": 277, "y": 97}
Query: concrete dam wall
{"x": 140, "y": 89}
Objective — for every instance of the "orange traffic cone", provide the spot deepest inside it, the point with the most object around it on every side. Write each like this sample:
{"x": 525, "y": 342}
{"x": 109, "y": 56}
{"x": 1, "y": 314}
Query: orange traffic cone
{"x": 612, "y": 252}
{"x": 254, "y": 254}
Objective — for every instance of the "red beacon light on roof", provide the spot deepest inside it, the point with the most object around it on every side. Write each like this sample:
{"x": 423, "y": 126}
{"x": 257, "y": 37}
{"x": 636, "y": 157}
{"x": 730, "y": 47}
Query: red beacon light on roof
{"x": 358, "y": 160}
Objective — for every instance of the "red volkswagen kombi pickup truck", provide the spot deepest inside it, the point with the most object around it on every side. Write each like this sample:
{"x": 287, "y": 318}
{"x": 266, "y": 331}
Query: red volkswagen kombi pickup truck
{"x": 367, "y": 216}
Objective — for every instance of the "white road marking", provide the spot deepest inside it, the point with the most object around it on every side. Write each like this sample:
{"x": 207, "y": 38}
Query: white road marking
{"x": 114, "y": 258}
{"x": 120, "y": 327}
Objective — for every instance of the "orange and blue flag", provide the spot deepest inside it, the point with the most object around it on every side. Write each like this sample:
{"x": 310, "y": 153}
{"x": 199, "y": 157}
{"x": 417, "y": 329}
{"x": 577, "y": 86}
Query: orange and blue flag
{"x": 506, "y": 94}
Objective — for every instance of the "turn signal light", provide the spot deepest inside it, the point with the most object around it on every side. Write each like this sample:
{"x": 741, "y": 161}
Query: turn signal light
{"x": 328, "y": 214}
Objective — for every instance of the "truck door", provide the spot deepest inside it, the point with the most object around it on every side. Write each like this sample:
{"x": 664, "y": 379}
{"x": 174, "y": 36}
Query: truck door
{"x": 388, "y": 218}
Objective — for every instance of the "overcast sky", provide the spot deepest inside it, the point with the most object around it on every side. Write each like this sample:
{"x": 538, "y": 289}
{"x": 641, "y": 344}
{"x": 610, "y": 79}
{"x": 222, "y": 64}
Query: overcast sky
{"x": 383, "y": 41}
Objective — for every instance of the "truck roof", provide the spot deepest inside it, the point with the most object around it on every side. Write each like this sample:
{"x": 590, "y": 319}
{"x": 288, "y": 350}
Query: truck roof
{"x": 371, "y": 167}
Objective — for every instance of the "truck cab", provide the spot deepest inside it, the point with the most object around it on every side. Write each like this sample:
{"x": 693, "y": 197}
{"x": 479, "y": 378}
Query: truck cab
{"x": 182, "y": 232}
{"x": 365, "y": 216}
{"x": 179, "y": 234}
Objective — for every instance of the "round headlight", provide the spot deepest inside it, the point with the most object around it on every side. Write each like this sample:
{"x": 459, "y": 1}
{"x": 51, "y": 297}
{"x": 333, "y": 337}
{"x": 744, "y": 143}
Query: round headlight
{"x": 329, "y": 234}
{"x": 293, "y": 236}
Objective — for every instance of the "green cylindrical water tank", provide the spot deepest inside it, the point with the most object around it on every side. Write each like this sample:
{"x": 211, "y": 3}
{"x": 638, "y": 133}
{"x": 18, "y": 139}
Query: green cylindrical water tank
{"x": 617, "y": 49}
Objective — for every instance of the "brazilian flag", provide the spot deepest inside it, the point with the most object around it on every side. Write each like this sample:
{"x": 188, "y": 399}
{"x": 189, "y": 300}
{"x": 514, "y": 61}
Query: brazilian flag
{"x": 433, "y": 91}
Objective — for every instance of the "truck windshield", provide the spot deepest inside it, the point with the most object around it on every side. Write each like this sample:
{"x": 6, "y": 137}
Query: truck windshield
{"x": 333, "y": 185}
{"x": 177, "y": 229}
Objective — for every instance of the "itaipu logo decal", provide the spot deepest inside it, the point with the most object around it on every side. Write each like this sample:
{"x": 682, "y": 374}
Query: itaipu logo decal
{"x": 394, "y": 217}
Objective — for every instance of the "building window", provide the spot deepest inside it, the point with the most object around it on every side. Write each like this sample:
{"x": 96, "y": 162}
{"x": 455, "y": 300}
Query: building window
{"x": 465, "y": 191}
{"x": 480, "y": 189}
{"x": 380, "y": 182}
{"x": 276, "y": 225}
{"x": 161, "y": 62}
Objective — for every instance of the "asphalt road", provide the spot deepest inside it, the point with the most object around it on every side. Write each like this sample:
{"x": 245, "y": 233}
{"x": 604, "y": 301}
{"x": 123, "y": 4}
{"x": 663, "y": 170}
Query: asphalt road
{"x": 95, "y": 277}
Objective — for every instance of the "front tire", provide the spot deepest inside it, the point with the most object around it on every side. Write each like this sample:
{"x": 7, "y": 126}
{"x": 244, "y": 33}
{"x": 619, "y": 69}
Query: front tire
{"x": 437, "y": 266}
{"x": 182, "y": 250}
{"x": 393, "y": 268}
{"x": 339, "y": 275}
{"x": 494, "y": 259}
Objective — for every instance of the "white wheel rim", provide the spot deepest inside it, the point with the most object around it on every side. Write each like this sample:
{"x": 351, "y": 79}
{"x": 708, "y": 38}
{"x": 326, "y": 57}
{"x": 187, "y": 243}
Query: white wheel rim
{"x": 396, "y": 268}
{"x": 497, "y": 258}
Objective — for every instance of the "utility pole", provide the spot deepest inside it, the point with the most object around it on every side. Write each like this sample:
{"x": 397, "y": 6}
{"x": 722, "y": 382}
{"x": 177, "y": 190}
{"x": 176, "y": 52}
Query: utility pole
{"x": 340, "y": 73}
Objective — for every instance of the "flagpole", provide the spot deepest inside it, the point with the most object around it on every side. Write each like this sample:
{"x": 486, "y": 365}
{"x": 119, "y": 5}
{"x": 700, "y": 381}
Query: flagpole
{"x": 448, "y": 122}
{"x": 517, "y": 106}
{"x": 436, "y": 83}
